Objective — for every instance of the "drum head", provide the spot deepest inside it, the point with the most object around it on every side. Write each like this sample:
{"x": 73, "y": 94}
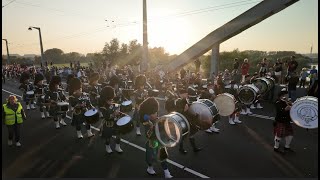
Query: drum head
{"x": 30, "y": 92}
{"x": 247, "y": 94}
{"x": 63, "y": 104}
{"x": 262, "y": 84}
{"x": 304, "y": 112}
{"x": 225, "y": 103}
{"x": 90, "y": 112}
{"x": 126, "y": 103}
{"x": 123, "y": 121}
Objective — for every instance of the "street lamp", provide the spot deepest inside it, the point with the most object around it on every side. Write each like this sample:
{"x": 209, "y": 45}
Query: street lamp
{"x": 30, "y": 28}
{"x": 8, "y": 59}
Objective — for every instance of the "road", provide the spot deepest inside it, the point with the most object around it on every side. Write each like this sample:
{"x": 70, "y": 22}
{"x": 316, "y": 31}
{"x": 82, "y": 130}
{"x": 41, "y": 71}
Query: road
{"x": 242, "y": 151}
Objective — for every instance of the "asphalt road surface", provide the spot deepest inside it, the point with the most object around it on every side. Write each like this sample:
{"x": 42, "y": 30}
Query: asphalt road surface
{"x": 242, "y": 151}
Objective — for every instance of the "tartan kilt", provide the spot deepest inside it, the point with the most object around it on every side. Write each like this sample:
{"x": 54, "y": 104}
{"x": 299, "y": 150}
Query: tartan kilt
{"x": 282, "y": 129}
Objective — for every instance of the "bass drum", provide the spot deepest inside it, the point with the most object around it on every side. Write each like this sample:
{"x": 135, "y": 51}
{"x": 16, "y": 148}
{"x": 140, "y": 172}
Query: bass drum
{"x": 170, "y": 128}
{"x": 226, "y": 104}
{"x": 263, "y": 84}
{"x": 304, "y": 112}
{"x": 272, "y": 82}
{"x": 206, "y": 110}
{"x": 248, "y": 94}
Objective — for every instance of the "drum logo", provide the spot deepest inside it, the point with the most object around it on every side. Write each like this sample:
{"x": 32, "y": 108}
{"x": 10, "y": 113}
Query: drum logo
{"x": 307, "y": 113}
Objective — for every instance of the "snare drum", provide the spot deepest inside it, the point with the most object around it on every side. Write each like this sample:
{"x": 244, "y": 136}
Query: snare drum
{"x": 63, "y": 107}
{"x": 263, "y": 84}
{"x": 206, "y": 110}
{"x": 124, "y": 125}
{"x": 226, "y": 104}
{"x": 126, "y": 106}
{"x": 170, "y": 128}
{"x": 248, "y": 94}
{"x": 30, "y": 95}
{"x": 304, "y": 112}
{"x": 91, "y": 116}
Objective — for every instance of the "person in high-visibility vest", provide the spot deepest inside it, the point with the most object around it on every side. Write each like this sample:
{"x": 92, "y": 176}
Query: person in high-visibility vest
{"x": 13, "y": 116}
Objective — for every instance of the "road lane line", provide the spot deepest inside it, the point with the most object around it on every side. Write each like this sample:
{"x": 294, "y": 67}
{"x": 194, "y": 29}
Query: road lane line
{"x": 11, "y": 93}
{"x": 195, "y": 173}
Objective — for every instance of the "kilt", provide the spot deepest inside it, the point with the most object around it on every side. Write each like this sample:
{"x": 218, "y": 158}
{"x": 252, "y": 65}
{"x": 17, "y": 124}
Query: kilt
{"x": 282, "y": 129}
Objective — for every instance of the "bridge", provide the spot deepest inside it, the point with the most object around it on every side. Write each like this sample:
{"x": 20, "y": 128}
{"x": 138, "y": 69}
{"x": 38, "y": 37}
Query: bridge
{"x": 213, "y": 40}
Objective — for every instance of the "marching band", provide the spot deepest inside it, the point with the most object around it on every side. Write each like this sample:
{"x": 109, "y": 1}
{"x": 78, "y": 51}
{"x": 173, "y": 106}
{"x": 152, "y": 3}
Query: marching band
{"x": 199, "y": 102}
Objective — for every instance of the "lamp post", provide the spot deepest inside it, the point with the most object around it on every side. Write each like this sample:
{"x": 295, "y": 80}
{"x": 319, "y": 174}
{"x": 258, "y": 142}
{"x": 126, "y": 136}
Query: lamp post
{"x": 42, "y": 59}
{"x": 145, "y": 62}
{"x": 8, "y": 59}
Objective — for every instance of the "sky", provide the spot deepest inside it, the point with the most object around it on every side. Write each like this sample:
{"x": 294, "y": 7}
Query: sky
{"x": 85, "y": 26}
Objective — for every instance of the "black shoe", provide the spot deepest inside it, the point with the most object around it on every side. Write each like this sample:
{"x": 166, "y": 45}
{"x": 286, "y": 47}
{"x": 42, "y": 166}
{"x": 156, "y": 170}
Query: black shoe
{"x": 277, "y": 150}
{"x": 288, "y": 150}
{"x": 196, "y": 149}
{"x": 183, "y": 150}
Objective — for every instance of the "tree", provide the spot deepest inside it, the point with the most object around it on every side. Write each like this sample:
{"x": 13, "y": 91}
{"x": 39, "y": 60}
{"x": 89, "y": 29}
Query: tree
{"x": 53, "y": 55}
{"x": 111, "y": 51}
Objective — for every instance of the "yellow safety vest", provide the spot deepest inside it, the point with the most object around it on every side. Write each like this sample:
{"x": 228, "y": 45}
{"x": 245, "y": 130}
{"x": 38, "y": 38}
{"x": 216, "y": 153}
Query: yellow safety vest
{"x": 10, "y": 115}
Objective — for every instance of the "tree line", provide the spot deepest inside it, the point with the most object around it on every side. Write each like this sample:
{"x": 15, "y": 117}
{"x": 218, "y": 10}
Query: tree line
{"x": 123, "y": 54}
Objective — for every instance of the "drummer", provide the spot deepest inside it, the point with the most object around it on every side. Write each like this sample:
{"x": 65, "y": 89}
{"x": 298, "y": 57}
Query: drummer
{"x": 80, "y": 103}
{"x": 182, "y": 107}
{"x": 282, "y": 125}
{"x": 208, "y": 93}
{"x": 234, "y": 117}
{"x": 140, "y": 95}
{"x": 256, "y": 104}
{"x": 154, "y": 152}
{"x": 53, "y": 96}
{"x": 111, "y": 114}
{"x": 246, "y": 108}
{"x": 40, "y": 90}
{"x": 26, "y": 86}
{"x": 93, "y": 88}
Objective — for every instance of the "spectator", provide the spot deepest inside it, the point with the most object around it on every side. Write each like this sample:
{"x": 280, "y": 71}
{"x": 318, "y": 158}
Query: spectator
{"x": 292, "y": 85}
{"x": 292, "y": 65}
{"x": 263, "y": 67}
{"x": 303, "y": 76}
{"x": 244, "y": 69}
{"x": 277, "y": 71}
{"x": 235, "y": 66}
{"x": 183, "y": 73}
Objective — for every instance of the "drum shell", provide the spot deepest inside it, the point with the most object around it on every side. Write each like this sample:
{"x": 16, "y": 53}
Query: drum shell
{"x": 170, "y": 128}
{"x": 127, "y": 108}
{"x": 266, "y": 85}
{"x": 126, "y": 128}
{"x": 30, "y": 95}
{"x": 62, "y": 107}
{"x": 206, "y": 110}
{"x": 92, "y": 119}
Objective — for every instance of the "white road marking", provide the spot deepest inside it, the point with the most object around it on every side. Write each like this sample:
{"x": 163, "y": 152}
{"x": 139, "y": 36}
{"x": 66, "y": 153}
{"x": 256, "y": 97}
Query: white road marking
{"x": 195, "y": 173}
{"x": 11, "y": 93}
{"x": 262, "y": 116}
